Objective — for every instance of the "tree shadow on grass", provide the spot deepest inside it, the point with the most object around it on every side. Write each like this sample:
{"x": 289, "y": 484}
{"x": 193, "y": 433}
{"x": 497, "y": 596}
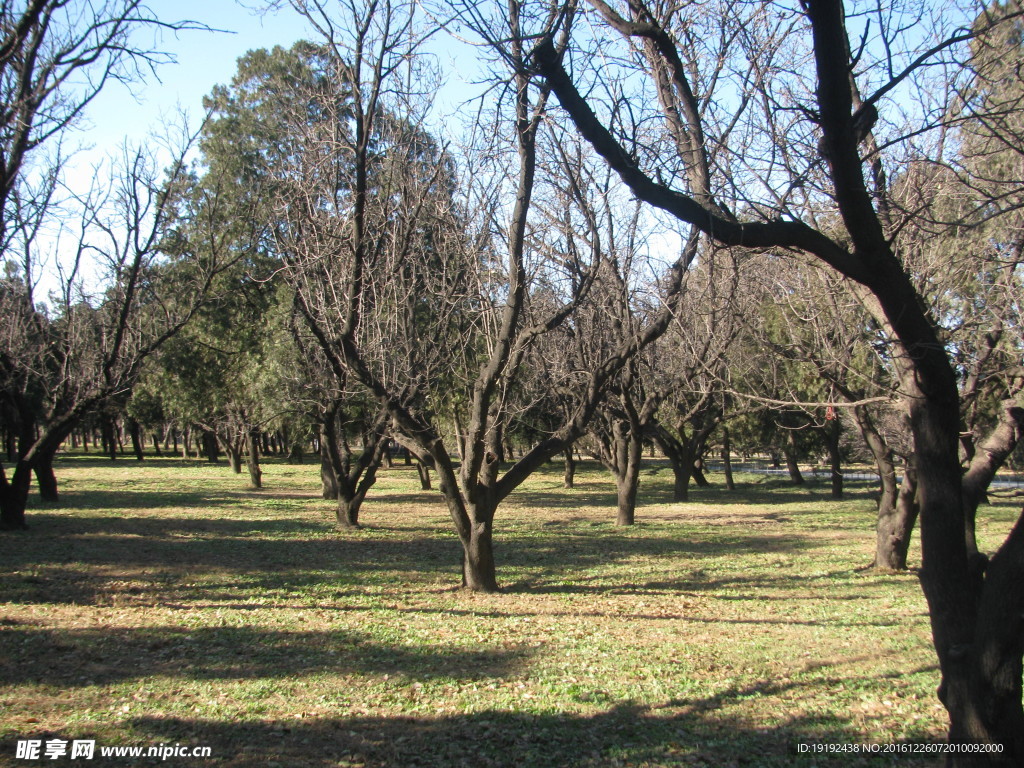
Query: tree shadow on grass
{"x": 625, "y": 735}
{"x": 74, "y": 559}
{"x": 78, "y": 657}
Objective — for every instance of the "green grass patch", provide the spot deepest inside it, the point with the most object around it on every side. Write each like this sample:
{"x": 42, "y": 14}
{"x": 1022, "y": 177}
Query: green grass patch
{"x": 164, "y": 603}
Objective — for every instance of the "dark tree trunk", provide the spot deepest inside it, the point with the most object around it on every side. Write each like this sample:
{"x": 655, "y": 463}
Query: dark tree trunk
{"x": 424, "y": 474}
{"x": 727, "y": 459}
{"x": 835, "y": 461}
{"x": 11, "y": 444}
{"x": 109, "y": 438}
{"x": 46, "y": 478}
{"x": 14, "y": 496}
{"x": 156, "y": 445}
{"x": 569, "y": 476}
{"x": 330, "y": 459}
{"x": 347, "y": 476}
{"x": 792, "y": 466}
{"x": 233, "y": 450}
{"x": 252, "y": 460}
{"x": 985, "y": 462}
{"x": 681, "y": 475}
{"x": 347, "y": 513}
{"x": 478, "y": 569}
{"x": 210, "y": 446}
{"x": 136, "y": 435}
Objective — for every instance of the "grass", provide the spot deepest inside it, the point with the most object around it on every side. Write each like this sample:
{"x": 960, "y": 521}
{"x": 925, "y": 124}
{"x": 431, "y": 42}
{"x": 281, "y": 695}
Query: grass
{"x": 164, "y": 603}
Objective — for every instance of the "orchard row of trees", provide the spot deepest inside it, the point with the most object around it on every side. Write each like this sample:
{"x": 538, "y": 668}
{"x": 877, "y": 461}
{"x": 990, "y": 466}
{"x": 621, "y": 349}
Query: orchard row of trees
{"x": 686, "y": 223}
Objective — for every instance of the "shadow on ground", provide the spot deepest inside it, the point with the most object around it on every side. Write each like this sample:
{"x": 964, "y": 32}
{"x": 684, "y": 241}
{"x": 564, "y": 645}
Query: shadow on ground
{"x": 626, "y": 736}
{"x": 78, "y": 657}
{"x": 194, "y": 557}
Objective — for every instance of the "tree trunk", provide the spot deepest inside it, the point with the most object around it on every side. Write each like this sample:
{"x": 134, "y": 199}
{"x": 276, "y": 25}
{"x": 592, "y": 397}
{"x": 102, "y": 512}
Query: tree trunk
{"x": 252, "y": 447}
{"x": 210, "y": 446}
{"x": 698, "y": 474}
{"x": 109, "y": 439}
{"x": 14, "y": 496}
{"x": 627, "y": 477}
{"x": 156, "y": 445}
{"x": 896, "y": 515}
{"x": 424, "y": 474}
{"x": 626, "y": 500}
{"x": 835, "y": 461}
{"x": 569, "y": 476}
{"x": 791, "y": 461}
{"x": 234, "y": 454}
{"x": 347, "y": 512}
{"x": 45, "y": 477}
{"x": 478, "y": 570}
{"x": 136, "y": 436}
{"x": 328, "y": 478}
{"x": 727, "y": 459}
{"x": 681, "y": 471}
{"x": 896, "y": 519}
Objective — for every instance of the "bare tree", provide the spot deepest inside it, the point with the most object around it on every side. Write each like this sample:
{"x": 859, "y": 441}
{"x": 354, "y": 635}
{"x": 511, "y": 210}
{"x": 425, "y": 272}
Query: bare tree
{"x": 125, "y": 292}
{"x": 422, "y": 289}
{"x": 974, "y": 602}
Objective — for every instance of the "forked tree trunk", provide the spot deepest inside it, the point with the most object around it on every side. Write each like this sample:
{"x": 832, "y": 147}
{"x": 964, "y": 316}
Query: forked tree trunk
{"x": 896, "y": 519}
{"x": 897, "y": 509}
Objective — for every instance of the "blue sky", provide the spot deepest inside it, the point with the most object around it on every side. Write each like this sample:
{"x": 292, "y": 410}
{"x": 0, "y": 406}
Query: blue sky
{"x": 203, "y": 60}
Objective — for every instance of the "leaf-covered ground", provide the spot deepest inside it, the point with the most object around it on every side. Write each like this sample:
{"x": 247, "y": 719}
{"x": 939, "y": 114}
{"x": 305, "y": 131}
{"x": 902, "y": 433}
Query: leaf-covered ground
{"x": 164, "y": 603}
